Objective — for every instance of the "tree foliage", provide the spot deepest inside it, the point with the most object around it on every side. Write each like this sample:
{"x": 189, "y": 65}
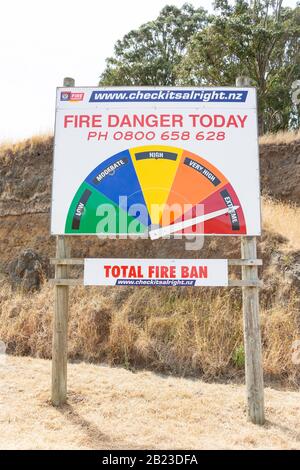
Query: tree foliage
{"x": 150, "y": 54}
{"x": 260, "y": 39}
{"x": 256, "y": 38}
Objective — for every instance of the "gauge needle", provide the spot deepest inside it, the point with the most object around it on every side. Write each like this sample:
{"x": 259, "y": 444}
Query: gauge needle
{"x": 168, "y": 229}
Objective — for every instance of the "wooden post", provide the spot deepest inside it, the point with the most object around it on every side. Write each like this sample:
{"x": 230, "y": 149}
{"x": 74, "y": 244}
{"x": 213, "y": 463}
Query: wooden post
{"x": 60, "y": 328}
{"x": 252, "y": 336}
{"x": 60, "y": 321}
{"x": 68, "y": 81}
{"x": 243, "y": 81}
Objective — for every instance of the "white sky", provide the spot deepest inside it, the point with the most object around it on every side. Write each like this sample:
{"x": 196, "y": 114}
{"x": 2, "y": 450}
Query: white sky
{"x": 42, "y": 41}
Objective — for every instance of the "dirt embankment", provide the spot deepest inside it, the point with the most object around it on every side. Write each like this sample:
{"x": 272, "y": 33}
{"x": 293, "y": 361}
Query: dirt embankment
{"x": 25, "y": 177}
{"x": 25, "y": 195}
{"x": 280, "y": 171}
{"x": 181, "y": 331}
{"x": 26, "y": 174}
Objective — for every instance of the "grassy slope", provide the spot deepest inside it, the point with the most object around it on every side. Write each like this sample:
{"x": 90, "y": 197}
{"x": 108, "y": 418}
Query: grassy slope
{"x": 182, "y": 331}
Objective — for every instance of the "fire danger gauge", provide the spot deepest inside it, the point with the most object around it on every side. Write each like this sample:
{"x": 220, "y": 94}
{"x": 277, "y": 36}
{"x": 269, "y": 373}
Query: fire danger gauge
{"x": 155, "y": 186}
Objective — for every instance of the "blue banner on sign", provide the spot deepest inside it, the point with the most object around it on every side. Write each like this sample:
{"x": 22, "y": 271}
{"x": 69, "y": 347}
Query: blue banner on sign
{"x": 201, "y": 95}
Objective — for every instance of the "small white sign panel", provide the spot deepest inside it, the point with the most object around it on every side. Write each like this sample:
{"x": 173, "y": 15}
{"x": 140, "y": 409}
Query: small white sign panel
{"x": 155, "y": 272}
{"x": 132, "y": 160}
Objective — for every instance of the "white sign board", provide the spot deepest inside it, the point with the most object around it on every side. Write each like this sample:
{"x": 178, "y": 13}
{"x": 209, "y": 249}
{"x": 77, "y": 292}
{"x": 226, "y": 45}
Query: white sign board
{"x": 139, "y": 160}
{"x": 155, "y": 272}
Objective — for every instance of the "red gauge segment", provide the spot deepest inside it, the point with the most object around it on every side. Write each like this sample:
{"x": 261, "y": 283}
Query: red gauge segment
{"x": 230, "y": 223}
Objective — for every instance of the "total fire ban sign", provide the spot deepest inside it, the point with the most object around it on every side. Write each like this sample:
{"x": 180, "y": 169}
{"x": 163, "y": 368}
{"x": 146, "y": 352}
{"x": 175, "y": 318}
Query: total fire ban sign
{"x": 154, "y": 162}
{"x": 155, "y": 272}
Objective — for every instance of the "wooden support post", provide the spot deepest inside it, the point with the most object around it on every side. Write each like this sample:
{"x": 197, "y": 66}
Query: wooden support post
{"x": 60, "y": 321}
{"x": 60, "y": 328}
{"x": 252, "y": 337}
{"x": 68, "y": 81}
{"x": 243, "y": 81}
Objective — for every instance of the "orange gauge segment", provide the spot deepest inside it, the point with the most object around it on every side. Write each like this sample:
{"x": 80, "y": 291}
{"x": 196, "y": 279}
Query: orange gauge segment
{"x": 195, "y": 180}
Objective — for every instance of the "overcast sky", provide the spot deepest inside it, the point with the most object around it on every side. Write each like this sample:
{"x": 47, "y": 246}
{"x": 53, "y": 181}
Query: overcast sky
{"x": 42, "y": 41}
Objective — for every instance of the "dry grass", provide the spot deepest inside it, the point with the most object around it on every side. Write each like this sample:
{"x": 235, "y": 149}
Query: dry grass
{"x": 19, "y": 145}
{"x": 284, "y": 219}
{"x": 111, "y": 408}
{"x": 180, "y": 331}
{"x": 9, "y": 148}
{"x": 280, "y": 328}
{"x": 283, "y": 137}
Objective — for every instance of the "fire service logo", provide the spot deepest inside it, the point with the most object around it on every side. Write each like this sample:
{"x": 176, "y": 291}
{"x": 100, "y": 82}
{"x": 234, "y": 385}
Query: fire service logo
{"x": 70, "y": 96}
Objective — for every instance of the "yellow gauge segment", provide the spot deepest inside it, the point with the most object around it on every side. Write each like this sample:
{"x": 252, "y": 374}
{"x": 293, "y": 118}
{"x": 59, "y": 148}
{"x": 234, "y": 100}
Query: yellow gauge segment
{"x": 156, "y": 167}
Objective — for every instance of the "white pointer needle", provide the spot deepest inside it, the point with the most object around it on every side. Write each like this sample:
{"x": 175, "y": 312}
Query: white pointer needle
{"x": 168, "y": 229}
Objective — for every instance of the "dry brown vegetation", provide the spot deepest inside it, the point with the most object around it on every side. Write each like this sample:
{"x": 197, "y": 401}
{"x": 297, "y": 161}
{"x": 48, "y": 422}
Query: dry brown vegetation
{"x": 284, "y": 219}
{"x": 177, "y": 331}
{"x": 283, "y": 137}
{"x": 8, "y": 147}
{"x": 180, "y": 331}
{"x": 112, "y": 408}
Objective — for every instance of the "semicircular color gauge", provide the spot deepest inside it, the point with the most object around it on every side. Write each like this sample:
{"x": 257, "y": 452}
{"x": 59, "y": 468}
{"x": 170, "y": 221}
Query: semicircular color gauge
{"x": 154, "y": 186}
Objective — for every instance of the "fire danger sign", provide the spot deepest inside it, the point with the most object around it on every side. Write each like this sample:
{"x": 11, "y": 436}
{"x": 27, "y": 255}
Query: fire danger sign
{"x": 156, "y": 162}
